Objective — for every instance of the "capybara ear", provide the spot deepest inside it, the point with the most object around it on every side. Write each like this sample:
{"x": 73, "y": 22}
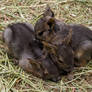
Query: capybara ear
{"x": 48, "y": 12}
{"x": 67, "y": 40}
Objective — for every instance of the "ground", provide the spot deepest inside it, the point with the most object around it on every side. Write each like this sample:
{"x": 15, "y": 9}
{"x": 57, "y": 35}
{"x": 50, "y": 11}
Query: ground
{"x": 12, "y": 77}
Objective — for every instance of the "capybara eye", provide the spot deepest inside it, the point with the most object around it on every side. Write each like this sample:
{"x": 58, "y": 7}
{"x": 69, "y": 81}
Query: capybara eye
{"x": 41, "y": 33}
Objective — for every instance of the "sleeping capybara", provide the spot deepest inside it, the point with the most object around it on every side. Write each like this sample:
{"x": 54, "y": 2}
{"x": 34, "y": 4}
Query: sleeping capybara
{"x": 78, "y": 45}
{"x": 20, "y": 39}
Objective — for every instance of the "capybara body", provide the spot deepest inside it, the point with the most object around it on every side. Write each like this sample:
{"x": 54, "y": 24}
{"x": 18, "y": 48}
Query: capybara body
{"x": 76, "y": 38}
{"x": 21, "y": 41}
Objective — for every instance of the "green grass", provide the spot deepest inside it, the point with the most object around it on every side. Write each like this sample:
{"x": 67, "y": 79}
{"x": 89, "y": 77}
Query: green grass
{"x": 13, "y": 78}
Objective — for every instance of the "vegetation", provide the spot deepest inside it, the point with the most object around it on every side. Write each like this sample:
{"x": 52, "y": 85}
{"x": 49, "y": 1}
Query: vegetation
{"x": 12, "y": 77}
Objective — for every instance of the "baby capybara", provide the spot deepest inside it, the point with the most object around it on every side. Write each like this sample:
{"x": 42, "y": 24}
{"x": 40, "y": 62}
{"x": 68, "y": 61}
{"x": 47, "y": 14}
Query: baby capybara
{"x": 73, "y": 41}
{"x": 20, "y": 39}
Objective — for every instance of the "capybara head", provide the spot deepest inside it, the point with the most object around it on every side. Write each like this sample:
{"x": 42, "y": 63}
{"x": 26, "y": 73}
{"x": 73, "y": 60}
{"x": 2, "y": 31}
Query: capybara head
{"x": 45, "y": 69}
{"x": 43, "y": 27}
{"x": 47, "y": 27}
{"x": 45, "y": 23}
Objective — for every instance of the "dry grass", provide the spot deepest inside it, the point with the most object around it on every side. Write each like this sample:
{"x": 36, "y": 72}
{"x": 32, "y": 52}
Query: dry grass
{"x": 13, "y": 78}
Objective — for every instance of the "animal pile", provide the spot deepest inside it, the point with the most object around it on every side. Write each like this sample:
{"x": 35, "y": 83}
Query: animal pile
{"x": 51, "y": 48}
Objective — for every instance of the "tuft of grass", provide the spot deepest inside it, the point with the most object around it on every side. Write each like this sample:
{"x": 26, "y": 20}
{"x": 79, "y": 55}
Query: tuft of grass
{"x": 13, "y": 78}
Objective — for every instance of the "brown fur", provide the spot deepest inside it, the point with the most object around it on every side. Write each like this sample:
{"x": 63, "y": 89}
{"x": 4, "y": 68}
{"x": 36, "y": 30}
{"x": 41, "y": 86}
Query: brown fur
{"x": 55, "y": 32}
{"x": 20, "y": 39}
